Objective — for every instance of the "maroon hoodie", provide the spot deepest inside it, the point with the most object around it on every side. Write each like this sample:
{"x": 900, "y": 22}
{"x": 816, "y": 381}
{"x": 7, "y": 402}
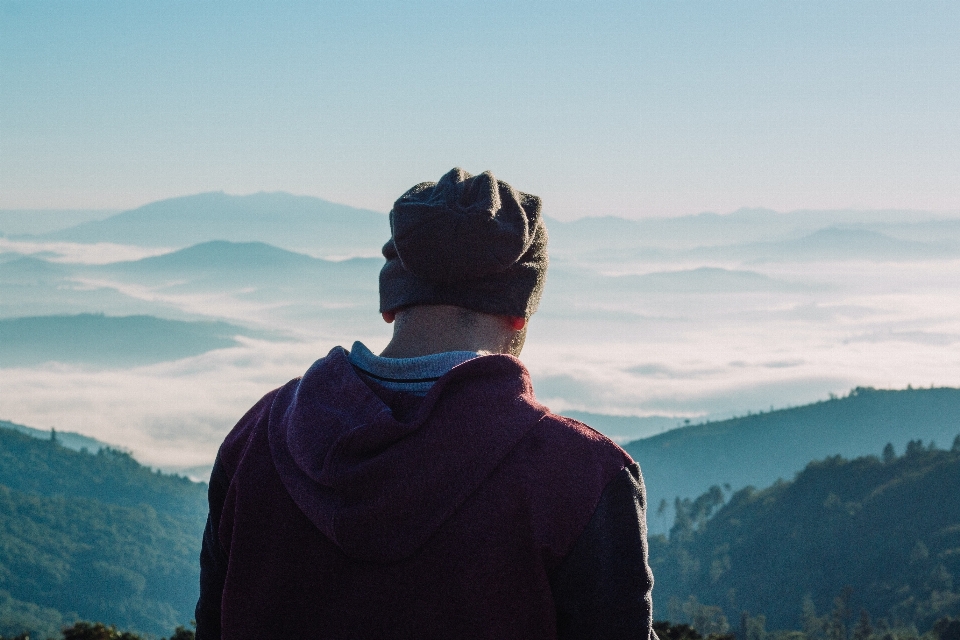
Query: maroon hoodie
{"x": 339, "y": 509}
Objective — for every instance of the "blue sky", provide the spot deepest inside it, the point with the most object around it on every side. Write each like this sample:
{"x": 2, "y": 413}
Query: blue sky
{"x": 625, "y": 108}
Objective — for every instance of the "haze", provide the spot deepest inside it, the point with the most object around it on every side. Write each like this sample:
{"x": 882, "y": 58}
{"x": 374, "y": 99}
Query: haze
{"x": 614, "y": 108}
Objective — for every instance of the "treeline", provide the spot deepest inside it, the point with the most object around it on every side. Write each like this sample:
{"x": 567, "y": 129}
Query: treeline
{"x": 849, "y": 549}
{"x": 99, "y": 631}
{"x": 87, "y": 536}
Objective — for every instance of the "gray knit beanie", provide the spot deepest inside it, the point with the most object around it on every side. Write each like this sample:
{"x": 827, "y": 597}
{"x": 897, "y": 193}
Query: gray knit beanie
{"x": 468, "y": 241}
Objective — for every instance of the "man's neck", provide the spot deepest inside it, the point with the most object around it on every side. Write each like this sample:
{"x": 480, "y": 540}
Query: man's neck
{"x": 425, "y": 330}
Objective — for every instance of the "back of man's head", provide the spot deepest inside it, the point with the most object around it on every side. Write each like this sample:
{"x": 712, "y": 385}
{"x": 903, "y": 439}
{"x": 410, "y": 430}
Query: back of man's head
{"x": 466, "y": 241}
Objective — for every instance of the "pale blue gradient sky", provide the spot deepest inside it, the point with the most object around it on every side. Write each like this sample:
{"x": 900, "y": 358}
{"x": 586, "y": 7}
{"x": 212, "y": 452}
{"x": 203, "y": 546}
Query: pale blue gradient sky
{"x": 626, "y": 108}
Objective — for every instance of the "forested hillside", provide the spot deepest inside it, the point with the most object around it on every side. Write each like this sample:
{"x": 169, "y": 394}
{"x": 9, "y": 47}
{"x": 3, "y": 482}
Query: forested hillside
{"x": 760, "y": 448}
{"x": 94, "y": 536}
{"x": 882, "y": 534}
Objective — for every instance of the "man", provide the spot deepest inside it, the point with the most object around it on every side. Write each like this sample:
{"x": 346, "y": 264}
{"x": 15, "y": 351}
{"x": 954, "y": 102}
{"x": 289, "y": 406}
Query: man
{"x": 424, "y": 492}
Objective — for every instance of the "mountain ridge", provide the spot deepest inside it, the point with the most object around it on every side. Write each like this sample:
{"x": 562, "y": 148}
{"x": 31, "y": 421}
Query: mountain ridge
{"x": 295, "y": 222}
{"x": 758, "y": 449}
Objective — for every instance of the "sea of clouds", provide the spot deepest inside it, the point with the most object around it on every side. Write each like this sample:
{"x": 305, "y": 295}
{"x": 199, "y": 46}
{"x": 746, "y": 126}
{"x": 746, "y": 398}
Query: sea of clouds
{"x": 672, "y": 335}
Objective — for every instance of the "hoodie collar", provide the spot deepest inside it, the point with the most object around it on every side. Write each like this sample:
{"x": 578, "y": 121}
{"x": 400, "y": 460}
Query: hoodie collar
{"x": 377, "y": 487}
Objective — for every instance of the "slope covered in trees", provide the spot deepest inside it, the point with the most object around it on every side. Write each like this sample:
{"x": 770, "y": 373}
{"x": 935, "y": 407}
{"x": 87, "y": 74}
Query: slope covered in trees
{"x": 882, "y": 534}
{"x": 96, "y": 537}
{"x": 758, "y": 449}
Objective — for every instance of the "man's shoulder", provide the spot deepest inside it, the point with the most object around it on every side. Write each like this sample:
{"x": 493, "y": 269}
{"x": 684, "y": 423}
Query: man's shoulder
{"x": 240, "y": 436}
{"x": 577, "y": 442}
{"x": 578, "y": 430}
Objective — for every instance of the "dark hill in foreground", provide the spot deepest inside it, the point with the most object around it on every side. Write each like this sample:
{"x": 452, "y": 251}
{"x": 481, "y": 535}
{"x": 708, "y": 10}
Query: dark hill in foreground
{"x": 885, "y": 531}
{"x": 95, "y": 536}
{"x": 758, "y": 449}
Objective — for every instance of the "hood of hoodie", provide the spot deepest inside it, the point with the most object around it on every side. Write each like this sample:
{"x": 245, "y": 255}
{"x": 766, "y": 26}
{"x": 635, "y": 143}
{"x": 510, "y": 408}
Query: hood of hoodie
{"x": 380, "y": 488}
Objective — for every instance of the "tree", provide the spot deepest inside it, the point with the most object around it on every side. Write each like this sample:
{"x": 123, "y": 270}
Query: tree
{"x": 96, "y": 631}
{"x": 889, "y": 454}
{"x": 840, "y": 616}
{"x": 181, "y": 633}
{"x": 947, "y": 628}
{"x": 863, "y": 629}
{"x": 914, "y": 447}
{"x": 813, "y": 625}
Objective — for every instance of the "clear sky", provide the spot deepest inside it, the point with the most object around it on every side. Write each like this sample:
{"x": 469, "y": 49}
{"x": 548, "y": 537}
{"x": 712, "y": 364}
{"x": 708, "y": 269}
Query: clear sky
{"x": 640, "y": 108}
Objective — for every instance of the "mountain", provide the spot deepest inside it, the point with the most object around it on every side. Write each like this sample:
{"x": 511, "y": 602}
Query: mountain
{"x": 219, "y": 256}
{"x": 32, "y": 286}
{"x": 623, "y": 428}
{"x": 244, "y": 263}
{"x": 286, "y": 287}
{"x": 300, "y": 223}
{"x": 878, "y": 535}
{"x": 94, "y": 536}
{"x": 758, "y": 449}
{"x": 703, "y": 280}
{"x": 603, "y": 239}
{"x": 830, "y": 244}
{"x": 68, "y": 439}
{"x": 99, "y": 340}
{"x": 569, "y": 288}
{"x": 34, "y": 221}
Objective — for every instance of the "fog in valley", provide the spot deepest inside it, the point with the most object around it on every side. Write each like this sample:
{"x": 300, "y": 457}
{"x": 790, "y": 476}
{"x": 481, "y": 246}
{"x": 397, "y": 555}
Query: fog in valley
{"x": 173, "y": 319}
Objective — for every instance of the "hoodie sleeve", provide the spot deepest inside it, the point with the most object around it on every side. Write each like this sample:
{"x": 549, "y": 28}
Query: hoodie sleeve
{"x": 602, "y": 589}
{"x": 213, "y": 560}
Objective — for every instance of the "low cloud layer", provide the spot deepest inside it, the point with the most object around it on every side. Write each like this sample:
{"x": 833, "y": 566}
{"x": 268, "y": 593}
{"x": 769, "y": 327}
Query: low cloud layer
{"x": 599, "y": 344}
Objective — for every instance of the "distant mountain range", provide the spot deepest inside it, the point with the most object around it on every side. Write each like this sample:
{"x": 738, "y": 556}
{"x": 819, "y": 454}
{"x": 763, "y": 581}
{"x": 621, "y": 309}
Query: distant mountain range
{"x": 99, "y": 340}
{"x": 37, "y": 221}
{"x": 758, "y": 449}
{"x": 31, "y": 286}
{"x": 293, "y": 222}
{"x": 701, "y": 280}
{"x": 222, "y": 264}
{"x": 834, "y": 244}
{"x": 326, "y": 229}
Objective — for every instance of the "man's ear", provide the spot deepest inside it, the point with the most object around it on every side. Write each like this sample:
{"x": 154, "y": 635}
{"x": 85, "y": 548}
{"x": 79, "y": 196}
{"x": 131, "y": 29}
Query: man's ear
{"x": 517, "y": 324}
{"x": 389, "y": 316}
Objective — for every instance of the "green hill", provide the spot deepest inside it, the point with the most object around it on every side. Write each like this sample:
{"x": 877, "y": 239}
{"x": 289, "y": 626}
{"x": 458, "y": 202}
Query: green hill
{"x": 884, "y": 535}
{"x": 68, "y": 439}
{"x": 94, "y": 536}
{"x": 758, "y": 449}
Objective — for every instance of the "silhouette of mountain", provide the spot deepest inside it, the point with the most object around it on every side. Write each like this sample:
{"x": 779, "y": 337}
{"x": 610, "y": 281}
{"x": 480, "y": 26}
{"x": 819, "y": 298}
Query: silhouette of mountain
{"x": 23, "y": 221}
{"x": 605, "y": 238}
{"x": 298, "y": 286}
{"x": 239, "y": 260}
{"x": 99, "y": 340}
{"x": 31, "y": 286}
{"x": 27, "y": 271}
{"x": 567, "y": 285}
{"x": 623, "y": 428}
{"x": 294, "y": 222}
{"x": 704, "y": 280}
{"x": 830, "y": 244}
{"x": 68, "y": 439}
{"x": 758, "y": 449}
{"x": 220, "y": 255}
